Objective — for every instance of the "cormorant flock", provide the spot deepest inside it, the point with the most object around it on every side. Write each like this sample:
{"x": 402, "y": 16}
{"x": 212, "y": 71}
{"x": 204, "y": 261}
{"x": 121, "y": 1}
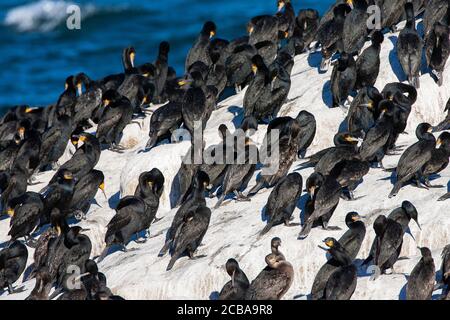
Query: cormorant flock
{"x": 33, "y": 139}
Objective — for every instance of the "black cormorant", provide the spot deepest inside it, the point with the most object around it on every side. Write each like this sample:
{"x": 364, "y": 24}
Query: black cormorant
{"x": 236, "y": 288}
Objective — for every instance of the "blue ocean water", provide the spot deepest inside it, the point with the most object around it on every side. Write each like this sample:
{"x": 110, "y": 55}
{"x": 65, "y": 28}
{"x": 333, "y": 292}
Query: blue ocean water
{"x": 38, "y": 52}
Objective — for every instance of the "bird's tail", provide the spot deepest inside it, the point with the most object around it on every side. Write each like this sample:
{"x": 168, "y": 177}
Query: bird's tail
{"x": 256, "y": 188}
{"x": 219, "y": 202}
{"x": 266, "y": 228}
{"x": 172, "y": 261}
{"x": 306, "y": 229}
{"x": 164, "y": 249}
{"x": 395, "y": 190}
{"x": 103, "y": 254}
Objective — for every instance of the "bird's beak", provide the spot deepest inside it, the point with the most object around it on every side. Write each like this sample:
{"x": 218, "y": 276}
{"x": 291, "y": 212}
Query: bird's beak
{"x": 81, "y": 276}
{"x": 58, "y": 230}
{"x": 254, "y": 69}
{"x": 74, "y": 142}
{"x": 106, "y": 102}
{"x": 418, "y": 224}
{"x": 350, "y": 3}
{"x": 430, "y": 130}
{"x": 85, "y": 230}
{"x": 182, "y": 83}
{"x": 356, "y": 218}
{"x": 10, "y": 212}
{"x": 28, "y": 110}
{"x": 250, "y": 30}
{"x": 80, "y": 88}
{"x": 368, "y": 105}
{"x": 144, "y": 101}
{"x": 212, "y": 34}
{"x": 132, "y": 56}
{"x": 281, "y": 5}
{"x": 232, "y": 278}
{"x": 22, "y": 132}
{"x": 311, "y": 191}
{"x": 102, "y": 187}
{"x": 438, "y": 142}
{"x": 351, "y": 139}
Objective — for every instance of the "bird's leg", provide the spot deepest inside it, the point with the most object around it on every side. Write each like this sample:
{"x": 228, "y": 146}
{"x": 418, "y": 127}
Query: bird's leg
{"x": 32, "y": 181}
{"x": 419, "y": 183}
{"x": 114, "y": 148}
{"x": 325, "y": 64}
{"x": 429, "y": 185}
{"x": 325, "y": 226}
{"x": 10, "y": 288}
{"x": 240, "y": 197}
{"x": 288, "y": 223}
{"x": 138, "y": 123}
{"x": 192, "y": 255}
{"x": 157, "y": 219}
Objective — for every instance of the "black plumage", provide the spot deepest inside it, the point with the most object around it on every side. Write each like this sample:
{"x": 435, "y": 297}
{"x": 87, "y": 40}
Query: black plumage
{"x": 279, "y": 150}
{"x": 420, "y": 284}
{"x": 117, "y": 114}
{"x": 164, "y": 121}
{"x": 439, "y": 158}
{"x": 437, "y": 48}
{"x": 387, "y": 244}
{"x": 409, "y": 48}
{"x": 355, "y": 27}
{"x": 346, "y": 149}
{"x": 54, "y": 141}
{"x": 351, "y": 241}
{"x": 414, "y": 157}
{"x": 325, "y": 202}
{"x": 330, "y": 32}
{"x": 343, "y": 79}
{"x": 84, "y": 193}
{"x": 190, "y": 233}
{"x": 364, "y": 111}
{"x": 13, "y": 260}
{"x": 198, "y": 52}
{"x": 25, "y": 213}
{"x": 435, "y": 12}
{"x": 238, "y": 175}
{"x": 368, "y": 63}
{"x": 342, "y": 283}
{"x": 349, "y": 173}
{"x": 195, "y": 199}
{"x": 236, "y": 288}
{"x": 129, "y": 220}
{"x": 84, "y": 159}
{"x": 283, "y": 200}
{"x": 307, "y": 132}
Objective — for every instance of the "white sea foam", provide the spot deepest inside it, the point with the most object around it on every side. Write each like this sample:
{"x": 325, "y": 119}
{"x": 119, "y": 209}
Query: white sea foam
{"x": 43, "y": 16}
